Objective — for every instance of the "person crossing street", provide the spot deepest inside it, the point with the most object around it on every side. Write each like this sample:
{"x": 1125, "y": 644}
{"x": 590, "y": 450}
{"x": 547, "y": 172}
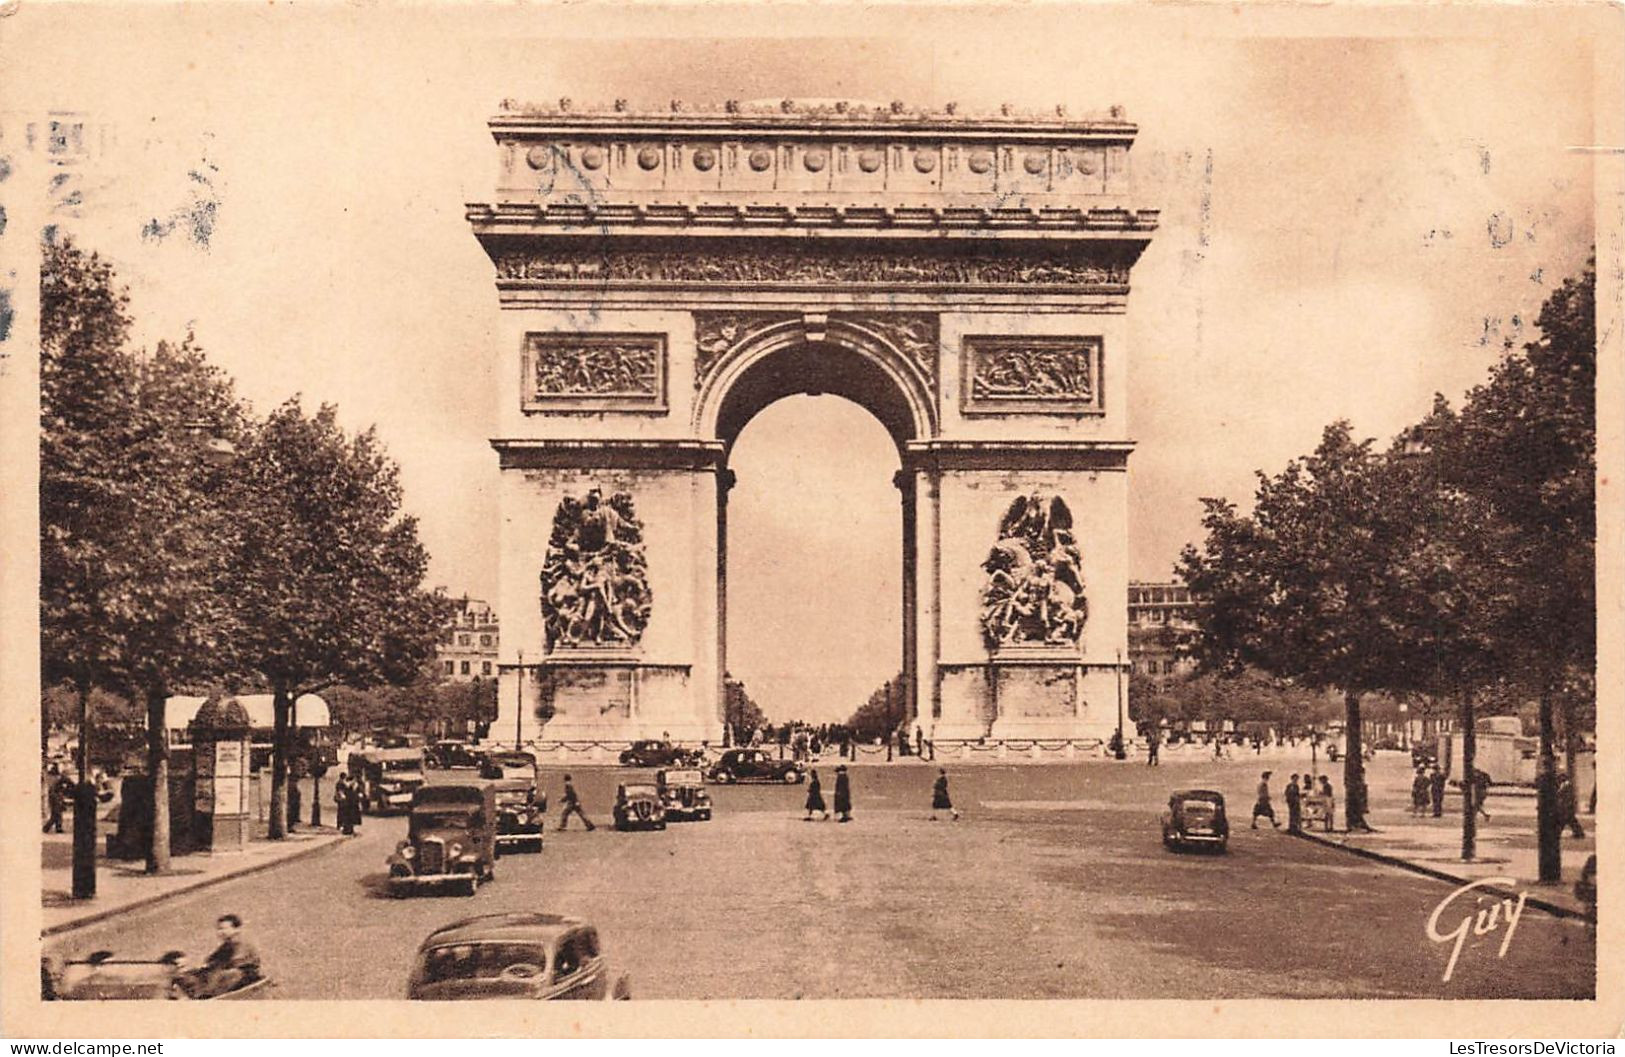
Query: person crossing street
{"x": 1263, "y": 808}
{"x": 572, "y": 806}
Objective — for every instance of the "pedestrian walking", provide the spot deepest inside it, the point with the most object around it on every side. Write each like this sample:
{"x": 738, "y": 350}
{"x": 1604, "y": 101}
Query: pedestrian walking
{"x": 1329, "y": 799}
{"x": 940, "y": 801}
{"x": 1436, "y": 785}
{"x": 843, "y": 794}
{"x": 1294, "y": 806}
{"x": 815, "y": 797}
{"x": 56, "y": 798}
{"x": 1152, "y": 741}
{"x": 1419, "y": 791}
{"x": 1481, "y": 792}
{"x": 1263, "y": 808}
{"x": 572, "y": 806}
{"x": 1568, "y": 806}
{"x": 347, "y": 801}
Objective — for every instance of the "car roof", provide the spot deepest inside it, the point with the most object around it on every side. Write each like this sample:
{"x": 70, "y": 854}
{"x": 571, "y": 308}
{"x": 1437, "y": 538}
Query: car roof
{"x": 511, "y": 926}
{"x": 1196, "y": 794}
{"x": 391, "y": 754}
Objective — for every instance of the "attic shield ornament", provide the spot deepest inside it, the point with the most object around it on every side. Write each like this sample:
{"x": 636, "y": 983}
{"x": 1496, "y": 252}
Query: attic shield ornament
{"x": 1034, "y": 589}
{"x": 595, "y": 580}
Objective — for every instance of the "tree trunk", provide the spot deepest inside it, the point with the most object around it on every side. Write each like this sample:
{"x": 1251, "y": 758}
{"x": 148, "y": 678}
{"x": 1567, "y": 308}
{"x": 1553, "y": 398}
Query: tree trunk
{"x": 1353, "y": 765}
{"x": 282, "y": 705}
{"x": 1548, "y": 828}
{"x": 1469, "y": 801}
{"x": 84, "y": 809}
{"x": 158, "y": 777}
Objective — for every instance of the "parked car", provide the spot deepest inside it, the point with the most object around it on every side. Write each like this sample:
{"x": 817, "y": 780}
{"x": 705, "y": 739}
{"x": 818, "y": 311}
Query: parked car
{"x": 515, "y": 955}
{"x": 100, "y": 976}
{"x": 654, "y": 753}
{"x": 747, "y": 765}
{"x": 509, "y": 763}
{"x": 450, "y": 839}
{"x": 1195, "y": 818}
{"x": 683, "y": 794}
{"x": 451, "y": 752}
{"x": 639, "y": 806}
{"x": 388, "y": 777}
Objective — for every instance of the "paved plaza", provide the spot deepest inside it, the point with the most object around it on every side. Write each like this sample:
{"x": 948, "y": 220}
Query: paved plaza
{"x": 1053, "y": 885}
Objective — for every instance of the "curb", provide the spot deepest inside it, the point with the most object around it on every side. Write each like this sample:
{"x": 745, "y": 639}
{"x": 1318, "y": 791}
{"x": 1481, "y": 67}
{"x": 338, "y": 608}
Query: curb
{"x": 186, "y": 889}
{"x": 1555, "y": 909}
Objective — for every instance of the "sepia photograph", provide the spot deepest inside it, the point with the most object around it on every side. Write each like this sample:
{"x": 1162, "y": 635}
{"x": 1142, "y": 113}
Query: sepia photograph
{"x": 893, "y": 509}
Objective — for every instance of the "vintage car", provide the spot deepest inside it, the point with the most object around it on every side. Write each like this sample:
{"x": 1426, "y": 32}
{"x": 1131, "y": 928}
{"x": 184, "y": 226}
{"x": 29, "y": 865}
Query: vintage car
{"x": 451, "y": 752}
{"x": 450, "y": 839}
{"x": 745, "y": 765}
{"x": 388, "y": 778}
{"x": 100, "y": 977}
{"x": 1195, "y": 818}
{"x": 683, "y": 793}
{"x": 639, "y": 806}
{"x": 514, "y": 955}
{"x": 508, "y": 763}
{"x": 658, "y": 754}
{"x": 521, "y": 815}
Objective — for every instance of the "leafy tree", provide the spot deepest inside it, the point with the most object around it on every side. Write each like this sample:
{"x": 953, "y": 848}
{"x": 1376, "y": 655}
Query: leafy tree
{"x": 1299, "y": 587}
{"x": 883, "y": 713}
{"x": 1522, "y": 457}
{"x": 740, "y": 712}
{"x": 326, "y": 572}
{"x": 131, "y": 526}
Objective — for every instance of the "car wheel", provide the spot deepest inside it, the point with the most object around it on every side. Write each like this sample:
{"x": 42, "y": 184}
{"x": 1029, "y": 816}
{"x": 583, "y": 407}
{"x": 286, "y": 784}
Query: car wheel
{"x": 661, "y": 824}
{"x": 726, "y": 777}
{"x": 471, "y": 885}
{"x": 792, "y": 777}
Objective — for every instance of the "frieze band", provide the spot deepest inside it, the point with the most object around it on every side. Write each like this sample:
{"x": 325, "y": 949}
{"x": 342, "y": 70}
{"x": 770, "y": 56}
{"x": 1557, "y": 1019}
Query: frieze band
{"x": 601, "y": 261}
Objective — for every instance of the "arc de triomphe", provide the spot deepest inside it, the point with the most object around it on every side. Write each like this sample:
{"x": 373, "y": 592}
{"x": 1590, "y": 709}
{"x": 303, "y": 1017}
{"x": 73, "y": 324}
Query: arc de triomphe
{"x": 665, "y": 276}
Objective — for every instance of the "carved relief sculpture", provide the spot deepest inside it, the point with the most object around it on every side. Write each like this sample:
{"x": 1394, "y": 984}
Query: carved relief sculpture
{"x": 595, "y": 581}
{"x": 717, "y": 332}
{"x": 814, "y": 265}
{"x": 1043, "y": 373}
{"x": 914, "y": 334}
{"x": 594, "y": 371}
{"x": 1034, "y": 589}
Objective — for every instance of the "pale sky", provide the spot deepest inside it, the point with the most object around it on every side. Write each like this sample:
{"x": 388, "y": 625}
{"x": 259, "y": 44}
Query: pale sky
{"x": 1350, "y": 223}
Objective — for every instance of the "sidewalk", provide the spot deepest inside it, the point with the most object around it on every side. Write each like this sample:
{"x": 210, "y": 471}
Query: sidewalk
{"x": 1507, "y": 844}
{"x": 123, "y": 886}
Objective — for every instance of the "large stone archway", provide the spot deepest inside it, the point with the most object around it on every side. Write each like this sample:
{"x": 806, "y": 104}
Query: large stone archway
{"x": 663, "y": 277}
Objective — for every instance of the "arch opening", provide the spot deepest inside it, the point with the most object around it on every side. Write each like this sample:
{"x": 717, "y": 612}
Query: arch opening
{"x": 815, "y": 559}
{"x": 861, "y": 370}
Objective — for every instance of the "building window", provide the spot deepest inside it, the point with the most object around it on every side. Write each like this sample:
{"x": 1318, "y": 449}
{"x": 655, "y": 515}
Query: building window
{"x": 451, "y": 667}
{"x": 485, "y": 640}
{"x": 465, "y": 667}
{"x": 462, "y": 640}
{"x": 485, "y": 667}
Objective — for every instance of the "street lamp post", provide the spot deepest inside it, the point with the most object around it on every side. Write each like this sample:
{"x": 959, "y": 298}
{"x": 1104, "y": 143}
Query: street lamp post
{"x": 519, "y": 705}
{"x": 1122, "y": 746}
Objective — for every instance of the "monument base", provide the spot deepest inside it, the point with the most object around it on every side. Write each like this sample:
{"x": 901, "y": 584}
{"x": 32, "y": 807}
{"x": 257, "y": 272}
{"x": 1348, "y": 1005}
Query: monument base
{"x": 1027, "y": 693}
{"x": 603, "y": 696}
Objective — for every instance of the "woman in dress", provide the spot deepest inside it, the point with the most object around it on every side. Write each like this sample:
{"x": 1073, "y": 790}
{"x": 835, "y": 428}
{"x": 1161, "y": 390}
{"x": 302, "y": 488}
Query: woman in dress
{"x": 843, "y": 794}
{"x": 939, "y": 796}
{"x": 815, "y": 797}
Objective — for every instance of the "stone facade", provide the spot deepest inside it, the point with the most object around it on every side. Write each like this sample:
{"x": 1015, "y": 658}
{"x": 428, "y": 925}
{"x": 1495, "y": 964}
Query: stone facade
{"x": 470, "y": 646}
{"x": 662, "y": 277}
